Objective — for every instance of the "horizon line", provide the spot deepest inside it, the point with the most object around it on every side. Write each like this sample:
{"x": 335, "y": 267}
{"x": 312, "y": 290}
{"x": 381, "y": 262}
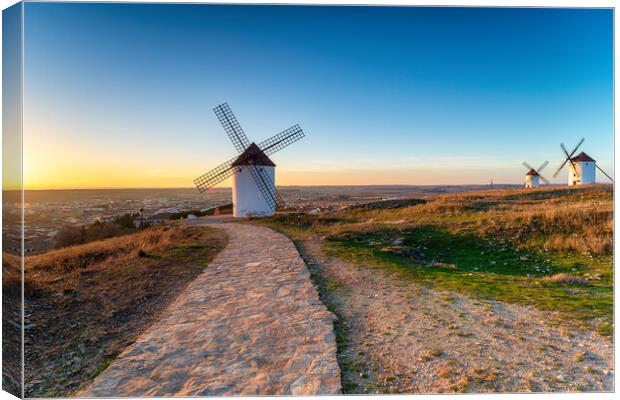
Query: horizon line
{"x": 291, "y": 186}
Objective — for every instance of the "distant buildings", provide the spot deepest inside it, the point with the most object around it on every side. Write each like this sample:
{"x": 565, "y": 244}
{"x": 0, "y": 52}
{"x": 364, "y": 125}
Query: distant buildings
{"x": 159, "y": 218}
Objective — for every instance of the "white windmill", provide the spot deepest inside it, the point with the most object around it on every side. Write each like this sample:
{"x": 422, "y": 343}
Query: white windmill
{"x": 253, "y": 190}
{"x": 581, "y": 169}
{"x": 533, "y": 176}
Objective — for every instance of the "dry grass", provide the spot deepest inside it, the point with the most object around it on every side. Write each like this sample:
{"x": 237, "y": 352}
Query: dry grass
{"x": 444, "y": 372}
{"x": 502, "y": 243}
{"x": 461, "y": 385}
{"x": 581, "y": 227}
{"x": 576, "y": 219}
{"x": 86, "y": 303}
{"x": 67, "y": 266}
{"x": 565, "y": 279}
{"x": 11, "y": 321}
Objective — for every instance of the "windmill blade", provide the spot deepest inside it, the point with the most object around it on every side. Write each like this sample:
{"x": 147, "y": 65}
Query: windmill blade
{"x": 574, "y": 167}
{"x": 542, "y": 166}
{"x": 281, "y": 140}
{"x": 568, "y": 159}
{"x": 560, "y": 168}
{"x": 528, "y": 166}
{"x": 232, "y": 127}
{"x": 565, "y": 160}
{"x": 570, "y": 156}
{"x": 264, "y": 183}
{"x": 215, "y": 176}
{"x": 604, "y": 173}
{"x": 576, "y": 147}
{"x": 564, "y": 149}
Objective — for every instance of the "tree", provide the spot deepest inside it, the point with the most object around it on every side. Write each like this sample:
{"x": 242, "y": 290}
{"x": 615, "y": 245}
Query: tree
{"x": 71, "y": 236}
{"x": 126, "y": 221}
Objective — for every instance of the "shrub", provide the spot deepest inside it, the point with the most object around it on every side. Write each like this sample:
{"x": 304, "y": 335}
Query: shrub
{"x": 126, "y": 221}
{"x": 71, "y": 236}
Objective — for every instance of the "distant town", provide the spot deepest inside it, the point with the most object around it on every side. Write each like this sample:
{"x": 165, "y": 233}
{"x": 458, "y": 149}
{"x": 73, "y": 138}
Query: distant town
{"x": 48, "y": 212}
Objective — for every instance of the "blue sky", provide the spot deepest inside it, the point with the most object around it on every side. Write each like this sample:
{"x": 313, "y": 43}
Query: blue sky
{"x": 122, "y": 95}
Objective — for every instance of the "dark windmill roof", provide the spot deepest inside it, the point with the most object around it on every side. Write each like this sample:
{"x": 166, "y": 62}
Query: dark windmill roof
{"x": 582, "y": 157}
{"x": 531, "y": 172}
{"x": 253, "y": 155}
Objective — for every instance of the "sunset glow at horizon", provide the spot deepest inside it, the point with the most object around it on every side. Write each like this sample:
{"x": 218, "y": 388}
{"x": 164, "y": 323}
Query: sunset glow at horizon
{"x": 121, "y": 95}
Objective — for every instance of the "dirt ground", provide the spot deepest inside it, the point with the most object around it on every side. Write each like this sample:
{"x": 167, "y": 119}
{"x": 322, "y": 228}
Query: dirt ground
{"x": 398, "y": 337}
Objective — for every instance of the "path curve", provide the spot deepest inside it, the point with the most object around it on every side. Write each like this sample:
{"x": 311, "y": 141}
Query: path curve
{"x": 250, "y": 324}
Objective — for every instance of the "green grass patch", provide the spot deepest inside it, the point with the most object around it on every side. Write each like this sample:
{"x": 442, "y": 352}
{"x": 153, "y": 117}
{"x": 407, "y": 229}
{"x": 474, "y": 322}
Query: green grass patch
{"x": 483, "y": 270}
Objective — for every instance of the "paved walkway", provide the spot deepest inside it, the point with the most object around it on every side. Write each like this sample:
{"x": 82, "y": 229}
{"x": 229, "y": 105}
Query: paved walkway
{"x": 250, "y": 324}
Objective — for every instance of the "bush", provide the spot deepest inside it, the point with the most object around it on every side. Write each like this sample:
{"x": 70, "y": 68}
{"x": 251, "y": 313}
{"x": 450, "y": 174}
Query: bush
{"x": 98, "y": 231}
{"x": 126, "y": 221}
{"x": 71, "y": 235}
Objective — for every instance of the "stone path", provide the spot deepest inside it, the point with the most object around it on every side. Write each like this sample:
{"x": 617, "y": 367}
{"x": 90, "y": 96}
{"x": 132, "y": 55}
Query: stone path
{"x": 250, "y": 324}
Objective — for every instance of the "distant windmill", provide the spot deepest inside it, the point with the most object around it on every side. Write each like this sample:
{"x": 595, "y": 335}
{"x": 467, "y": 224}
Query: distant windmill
{"x": 532, "y": 176}
{"x": 581, "y": 169}
{"x": 253, "y": 190}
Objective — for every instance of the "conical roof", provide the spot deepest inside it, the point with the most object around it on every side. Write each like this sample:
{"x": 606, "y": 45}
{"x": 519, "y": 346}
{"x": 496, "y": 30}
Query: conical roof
{"x": 582, "y": 157}
{"x": 253, "y": 155}
{"x": 531, "y": 172}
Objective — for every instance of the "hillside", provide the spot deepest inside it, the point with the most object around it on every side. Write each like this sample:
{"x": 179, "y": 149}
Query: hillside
{"x": 483, "y": 269}
{"x": 86, "y": 303}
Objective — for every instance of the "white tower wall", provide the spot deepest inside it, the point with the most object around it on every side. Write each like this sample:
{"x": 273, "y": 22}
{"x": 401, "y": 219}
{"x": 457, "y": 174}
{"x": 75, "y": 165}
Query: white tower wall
{"x": 247, "y": 198}
{"x": 583, "y": 174}
{"x": 531, "y": 181}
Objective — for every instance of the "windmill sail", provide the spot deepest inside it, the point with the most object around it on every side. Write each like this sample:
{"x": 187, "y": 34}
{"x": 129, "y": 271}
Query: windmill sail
{"x": 266, "y": 187}
{"x": 604, "y": 173}
{"x": 215, "y": 176}
{"x": 542, "y": 166}
{"x": 568, "y": 157}
{"x": 537, "y": 171}
{"x": 282, "y": 140}
{"x": 232, "y": 127}
{"x": 527, "y": 166}
{"x": 251, "y": 156}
